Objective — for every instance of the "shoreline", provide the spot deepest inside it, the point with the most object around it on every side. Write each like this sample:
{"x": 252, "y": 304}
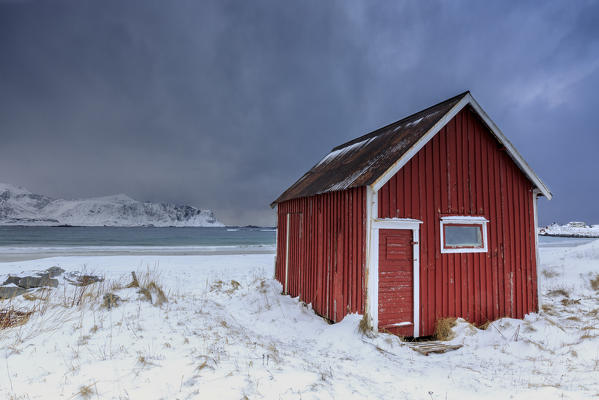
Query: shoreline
{"x": 15, "y": 254}
{"x": 570, "y": 235}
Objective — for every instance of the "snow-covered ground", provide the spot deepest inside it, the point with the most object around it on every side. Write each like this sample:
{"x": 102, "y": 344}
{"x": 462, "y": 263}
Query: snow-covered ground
{"x": 227, "y": 333}
{"x": 571, "y": 229}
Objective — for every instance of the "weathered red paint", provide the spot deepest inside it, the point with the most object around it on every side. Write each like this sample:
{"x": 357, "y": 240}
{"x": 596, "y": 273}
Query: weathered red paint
{"x": 326, "y": 251}
{"x": 396, "y": 281}
{"x": 463, "y": 171}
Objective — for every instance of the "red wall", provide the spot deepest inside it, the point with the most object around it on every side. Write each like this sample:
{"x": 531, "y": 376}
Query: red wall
{"x": 327, "y": 251}
{"x": 463, "y": 171}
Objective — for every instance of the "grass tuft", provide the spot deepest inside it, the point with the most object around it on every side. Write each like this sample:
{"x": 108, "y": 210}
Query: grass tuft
{"x": 444, "y": 328}
{"x": 549, "y": 309}
{"x": 364, "y": 327}
{"x": 558, "y": 292}
{"x": 484, "y": 326}
{"x": 10, "y": 317}
{"x": 547, "y": 273}
{"x": 595, "y": 283}
{"x": 569, "y": 302}
{"x": 159, "y": 295}
{"x": 149, "y": 288}
{"x": 134, "y": 282}
{"x": 86, "y": 392}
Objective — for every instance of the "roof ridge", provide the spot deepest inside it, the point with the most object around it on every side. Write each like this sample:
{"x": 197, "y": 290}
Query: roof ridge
{"x": 411, "y": 116}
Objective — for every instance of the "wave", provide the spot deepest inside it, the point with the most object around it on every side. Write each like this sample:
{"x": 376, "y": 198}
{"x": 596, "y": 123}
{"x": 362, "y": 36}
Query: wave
{"x": 132, "y": 249}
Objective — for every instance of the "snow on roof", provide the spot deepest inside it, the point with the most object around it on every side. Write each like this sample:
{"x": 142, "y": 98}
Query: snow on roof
{"x": 372, "y": 158}
{"x": 361, "y": 161}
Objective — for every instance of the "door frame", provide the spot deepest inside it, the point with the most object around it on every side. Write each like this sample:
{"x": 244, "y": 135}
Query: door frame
{"x": 298, "y": 242}
{"x": 374, "y": 224}
{"x": 285, "y": 287}
{"x": 400, "y": 224}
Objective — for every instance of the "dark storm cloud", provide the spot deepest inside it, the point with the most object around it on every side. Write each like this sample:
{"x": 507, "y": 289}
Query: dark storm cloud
{"x": 224, "y": 104}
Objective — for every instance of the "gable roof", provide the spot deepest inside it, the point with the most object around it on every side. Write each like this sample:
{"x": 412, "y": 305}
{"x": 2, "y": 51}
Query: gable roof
{"x": 374, "y": 158}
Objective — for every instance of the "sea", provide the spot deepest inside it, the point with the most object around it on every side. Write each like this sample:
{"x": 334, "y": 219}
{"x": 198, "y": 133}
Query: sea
{"x": 25, "y": 242}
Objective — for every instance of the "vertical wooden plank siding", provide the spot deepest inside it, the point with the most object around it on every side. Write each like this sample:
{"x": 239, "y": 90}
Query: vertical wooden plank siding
{"x": 464, "y": 171}
{"x": 327, "y": 251}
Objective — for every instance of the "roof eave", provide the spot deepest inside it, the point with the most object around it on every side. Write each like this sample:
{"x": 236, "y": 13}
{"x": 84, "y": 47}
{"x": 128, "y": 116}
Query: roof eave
{"x": 466, "y": 100}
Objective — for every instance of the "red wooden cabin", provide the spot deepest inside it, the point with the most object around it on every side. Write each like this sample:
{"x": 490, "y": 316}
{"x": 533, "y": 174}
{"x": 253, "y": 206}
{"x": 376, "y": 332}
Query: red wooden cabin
{"x": 432, "y": 216}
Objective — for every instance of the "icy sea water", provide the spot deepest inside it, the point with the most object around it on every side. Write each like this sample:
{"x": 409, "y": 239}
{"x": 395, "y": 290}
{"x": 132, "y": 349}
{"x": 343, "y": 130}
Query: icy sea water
{"x": 26, "y": 242}
{"x": 45, "y": 236}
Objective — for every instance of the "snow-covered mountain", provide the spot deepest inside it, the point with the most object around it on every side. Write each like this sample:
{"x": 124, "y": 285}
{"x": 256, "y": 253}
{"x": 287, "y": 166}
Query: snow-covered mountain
{"x": 571, "y": 229}
{"x": 19, "y": 206}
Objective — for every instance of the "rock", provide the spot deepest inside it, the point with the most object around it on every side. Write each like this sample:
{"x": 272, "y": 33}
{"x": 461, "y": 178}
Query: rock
{"x": 35, "y": 282}
{"x": 53, "y": 272}
{"x": 111, "y": 300}
{"x": 11, "y": 279}
{"x": 10, "y": 292}
{"x": 44, "y": 279}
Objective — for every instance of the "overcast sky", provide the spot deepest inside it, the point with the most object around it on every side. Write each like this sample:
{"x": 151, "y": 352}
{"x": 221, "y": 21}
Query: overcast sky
{"x": 224, "y": 104}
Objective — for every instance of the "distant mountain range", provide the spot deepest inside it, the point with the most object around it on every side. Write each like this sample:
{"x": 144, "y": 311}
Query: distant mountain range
{"x": 19, "y": 206}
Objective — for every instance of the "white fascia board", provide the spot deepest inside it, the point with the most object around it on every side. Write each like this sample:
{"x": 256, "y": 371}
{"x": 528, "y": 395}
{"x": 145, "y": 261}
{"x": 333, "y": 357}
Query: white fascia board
{"x": 467, "y": 99}
{"x": 372, "y": 273}
{"x": 286, "y": 254}
{"x": 276, "y": 208}
{"x": 407, "y": 156}
{"x": 467, "y": 219}
{"x": 416, "y": 280}
{"x": 396, "y": 223}
{"x": 535, "y": 195}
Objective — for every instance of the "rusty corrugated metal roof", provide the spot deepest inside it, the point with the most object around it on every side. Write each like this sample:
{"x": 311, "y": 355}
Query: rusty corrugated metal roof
{"x": 361, "y": 161}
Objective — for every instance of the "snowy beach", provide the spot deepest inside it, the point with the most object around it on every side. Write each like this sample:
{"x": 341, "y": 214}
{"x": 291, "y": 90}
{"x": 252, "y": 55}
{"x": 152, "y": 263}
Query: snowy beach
{"x": 226, "y": 332}
{"x": 31, "y": 253}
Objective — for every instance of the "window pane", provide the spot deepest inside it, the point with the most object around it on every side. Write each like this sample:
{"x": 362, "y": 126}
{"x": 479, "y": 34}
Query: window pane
{"x": 463, "y": 236}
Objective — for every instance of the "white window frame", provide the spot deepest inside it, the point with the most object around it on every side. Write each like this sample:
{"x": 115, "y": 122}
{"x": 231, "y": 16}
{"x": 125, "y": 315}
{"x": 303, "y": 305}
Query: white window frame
{"x": 464, "y": 220}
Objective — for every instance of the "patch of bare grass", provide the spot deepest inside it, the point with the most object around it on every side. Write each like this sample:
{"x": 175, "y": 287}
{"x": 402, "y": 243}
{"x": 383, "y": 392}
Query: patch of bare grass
{"x": 593, "y": 313}
{"x": 558, "y": 292}
{"x": 549, "y": 309}
{"x": 234, "y": 286}
{"x": 364, "y": 326}
{"x": 484, "y": 326}
{"x": 10, "y": 317}
{"x": 529, "y": 328}
{"x": 589, "y": 335}
{"x": 595, "y": 283}
{"x": 40, "y": 295}
{"x": 569, "y": 302}
{"x": 444, "y": 328}
{"x": 156, "y": 290}
{"x": 547, "y": 273}
{"x": 86, "y": 392}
